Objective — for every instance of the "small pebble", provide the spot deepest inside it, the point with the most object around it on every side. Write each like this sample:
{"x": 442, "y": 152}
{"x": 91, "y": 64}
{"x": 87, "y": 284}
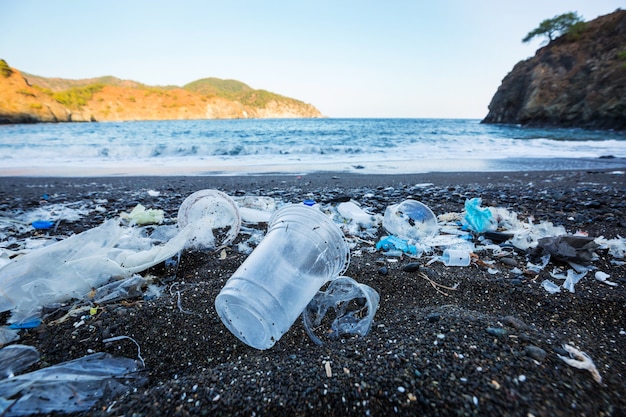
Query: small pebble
{"x": 535, "y": 352}
{"x": 383, "y": 270}
{"x": 433, "y": 317}
{"x": 496, "y": 331}
{"x": 509, "y": 261}
{"x": 411, "y": 267}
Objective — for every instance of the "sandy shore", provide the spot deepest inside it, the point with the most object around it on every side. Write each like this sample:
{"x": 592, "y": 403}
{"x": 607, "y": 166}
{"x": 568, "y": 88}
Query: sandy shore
{"x": 489, "y": 347}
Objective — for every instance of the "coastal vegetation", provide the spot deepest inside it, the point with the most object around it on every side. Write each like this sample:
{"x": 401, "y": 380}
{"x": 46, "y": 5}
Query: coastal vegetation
{"x": 569, "y": 23}
{"x": 5, "y": 69}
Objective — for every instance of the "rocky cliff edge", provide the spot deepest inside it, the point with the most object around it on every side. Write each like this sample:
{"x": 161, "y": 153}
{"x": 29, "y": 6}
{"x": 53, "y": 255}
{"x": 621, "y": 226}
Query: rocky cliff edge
{"x": 571, "y": 82}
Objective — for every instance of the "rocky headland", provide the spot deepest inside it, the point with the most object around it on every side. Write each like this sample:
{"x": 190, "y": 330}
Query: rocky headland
{"x": 26, "y": 98}
{"x": 574, "y": 81}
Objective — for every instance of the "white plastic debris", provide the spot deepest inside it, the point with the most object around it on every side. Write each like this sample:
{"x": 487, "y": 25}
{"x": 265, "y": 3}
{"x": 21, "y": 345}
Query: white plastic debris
{"x": 571, "y": 278}
{"x": 616, "y": 247}
{"x": 213, "y": 216}
{"x": 352, "y": 212}
{"x": 603, "y": 277}
{"x": 580, "y": 360}
{"x": 255, "y": 209}
{"x": 72, "y": 267}
{"x": 550, "y": 286}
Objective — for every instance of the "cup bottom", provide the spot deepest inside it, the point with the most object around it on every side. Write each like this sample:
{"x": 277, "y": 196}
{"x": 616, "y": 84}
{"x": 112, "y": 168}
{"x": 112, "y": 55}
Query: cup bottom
{"x": 251, "y": 320}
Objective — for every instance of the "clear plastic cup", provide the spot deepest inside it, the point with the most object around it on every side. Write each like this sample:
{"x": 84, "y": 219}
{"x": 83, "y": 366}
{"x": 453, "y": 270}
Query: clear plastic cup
{"x": 410, "y": 220}
{"x": 303, "y": 249}
{"x": 214, "y": 216}
{"x": 456, "y": 257}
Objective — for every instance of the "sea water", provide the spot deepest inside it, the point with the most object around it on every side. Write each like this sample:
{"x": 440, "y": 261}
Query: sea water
{"x": 253, "y": 146}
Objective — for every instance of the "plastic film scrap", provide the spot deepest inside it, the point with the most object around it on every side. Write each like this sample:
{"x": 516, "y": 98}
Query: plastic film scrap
{"x": 354, "y": 306}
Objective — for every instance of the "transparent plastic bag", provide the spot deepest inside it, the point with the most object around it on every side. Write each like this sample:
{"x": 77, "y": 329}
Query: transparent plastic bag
{"x": 68, "y": 387}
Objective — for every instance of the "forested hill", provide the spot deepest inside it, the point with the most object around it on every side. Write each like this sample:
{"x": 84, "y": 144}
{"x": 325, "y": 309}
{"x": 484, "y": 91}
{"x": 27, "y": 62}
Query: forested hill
{"x": 27, "y": 98}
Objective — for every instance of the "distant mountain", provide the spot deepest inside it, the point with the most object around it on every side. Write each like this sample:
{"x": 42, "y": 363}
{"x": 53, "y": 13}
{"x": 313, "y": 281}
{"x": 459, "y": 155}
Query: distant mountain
{"x": 27, "y": 98}
{"x": 574, "y": 81}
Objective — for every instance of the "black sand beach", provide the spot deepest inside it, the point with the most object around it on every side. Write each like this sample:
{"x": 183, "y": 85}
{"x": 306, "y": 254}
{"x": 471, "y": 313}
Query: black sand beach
{"x": 489, "y": 347}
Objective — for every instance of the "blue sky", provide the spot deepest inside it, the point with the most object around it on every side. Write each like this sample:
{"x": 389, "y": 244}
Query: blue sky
{"x": 348, "y": 58}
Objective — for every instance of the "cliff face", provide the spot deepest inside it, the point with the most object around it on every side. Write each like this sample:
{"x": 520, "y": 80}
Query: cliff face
{"x": 570, "y": 82}
{"x": 32, "y": 99}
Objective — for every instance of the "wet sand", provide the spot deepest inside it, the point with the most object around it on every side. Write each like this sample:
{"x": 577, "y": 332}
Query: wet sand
{"x": 489, "y": 347}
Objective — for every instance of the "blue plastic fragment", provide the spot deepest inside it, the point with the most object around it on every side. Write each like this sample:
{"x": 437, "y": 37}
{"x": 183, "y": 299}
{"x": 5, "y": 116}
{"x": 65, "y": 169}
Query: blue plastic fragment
{"x": 42, "y": 224}
{"x": 477, "y": 218}
{"x": 309, "y": 202}
{"x": 388, "y": 243}
{"x": 27, "y": 324}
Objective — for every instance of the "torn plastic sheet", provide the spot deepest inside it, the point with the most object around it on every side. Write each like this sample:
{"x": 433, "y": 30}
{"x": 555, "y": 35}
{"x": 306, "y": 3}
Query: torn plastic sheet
{"x": 572, "y": 248}
{"x": 550, "y": 286}
{"x": 616, "y": 247}
{"x": 354, "y": 308}
{"x": 72, "y": 267}
{"x": 571, "y": 278}
{"x": 255, "y": 209}
{"x": 142, "y": 216}
{"x": 67, "y": 387}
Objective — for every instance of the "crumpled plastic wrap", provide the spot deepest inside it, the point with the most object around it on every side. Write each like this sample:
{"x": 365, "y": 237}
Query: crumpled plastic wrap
{"x": 568, "y": 248}
{"x": 66, "y": 387}
{"x": 354, "y": 308}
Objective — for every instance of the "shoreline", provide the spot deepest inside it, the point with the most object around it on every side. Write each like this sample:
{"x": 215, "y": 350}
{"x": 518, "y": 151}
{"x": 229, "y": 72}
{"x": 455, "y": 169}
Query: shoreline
{"x": 376, "y": 167}
{"x": 489, "y": 347}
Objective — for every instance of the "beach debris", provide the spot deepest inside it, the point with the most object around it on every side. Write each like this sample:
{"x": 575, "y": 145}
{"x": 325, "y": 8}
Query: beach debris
{"x": 479, "y": 219}
{"x": 456, "y": 257}
{"x": 353, "y": 213}
{"x": 141, "y": 216}
{"x": 437, "y": 286}
{"x": 603, "y": 277}
{"x": 67, "y": 387}
{"x": 569, "y": 248}
{"x": 72, "y": 267}
{"x": 15, "y": 358}
{"x": 42, "y": 224}
{"x": 122, "y": 337}
{"x": 616, "y": 247}
{"x": 394, "y": 243}
{"x": 354, "y": 308}
{"x": 302, "y": 251}
{"x": 410, "y": 219}
{"x": 550, "y": 286}
{"x": 255, "y": 209}
{"x": 580, "y": 360}
{"x": 101, "y": 264}
{"x": 153, "y": 193}
{"x": 213, "y": 217}
{"x": 571, "y": 278}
